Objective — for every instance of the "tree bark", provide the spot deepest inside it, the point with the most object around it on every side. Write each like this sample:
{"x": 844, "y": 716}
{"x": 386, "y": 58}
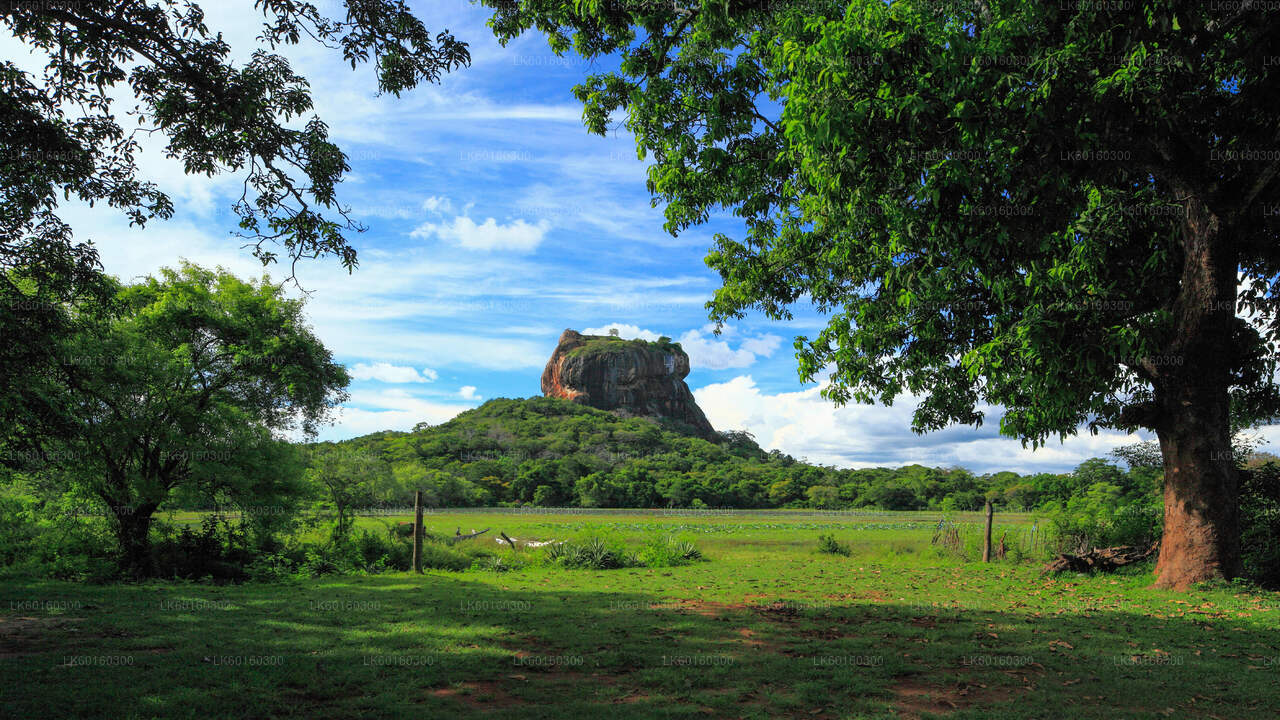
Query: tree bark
{"x": 1201, "y": 539}
{"x": 133, "y": 532}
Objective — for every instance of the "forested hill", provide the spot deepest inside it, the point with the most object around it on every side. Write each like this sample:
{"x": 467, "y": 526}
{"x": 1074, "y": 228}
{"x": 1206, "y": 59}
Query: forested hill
{"x": 552, "y": 452}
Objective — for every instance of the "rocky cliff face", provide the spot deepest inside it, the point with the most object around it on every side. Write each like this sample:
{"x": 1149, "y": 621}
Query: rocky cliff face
{"x": 632, "y": 377}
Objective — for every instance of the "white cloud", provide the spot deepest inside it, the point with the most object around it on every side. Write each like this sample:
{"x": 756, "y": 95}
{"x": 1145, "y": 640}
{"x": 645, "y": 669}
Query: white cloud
{"x": 707, "y": 352}
{"x": 518, "y": 236}
{"x": 369, "y": 412}
{"x": 805, "y": 425}
{"x": 437, "y": 204}
{"x": 764, "y": 345}
{"x": 630, "y": 332}
{"x": 468, "y": 392}
{"x": 704, "y": 350}
{"x": 388, "y": 373}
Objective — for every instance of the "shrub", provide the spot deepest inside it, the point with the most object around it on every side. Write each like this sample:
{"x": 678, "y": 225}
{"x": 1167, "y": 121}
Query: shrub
{"x": 1260, "y": 524}
{"x": 1101, "y": 517}
{"x": 498, "y": 563}
{"x": 828, "y": 544}
{"x": 52, "y": 539}
{"x": 668, "y": 552}
{"x": 217, "y": 551}
{"x": 593, "y": 553}
{"x": 378, "y": 552}
{"x": 440, "y": 557}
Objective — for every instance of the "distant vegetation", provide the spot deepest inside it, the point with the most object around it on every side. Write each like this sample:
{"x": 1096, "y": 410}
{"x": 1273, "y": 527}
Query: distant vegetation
{"x": 551, "y": 452}
{"x": 548, "y": 452}
{"x": 609, "y": 344}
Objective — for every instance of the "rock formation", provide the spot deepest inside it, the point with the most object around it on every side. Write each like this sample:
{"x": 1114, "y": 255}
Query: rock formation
{"x": 631, "y": 377}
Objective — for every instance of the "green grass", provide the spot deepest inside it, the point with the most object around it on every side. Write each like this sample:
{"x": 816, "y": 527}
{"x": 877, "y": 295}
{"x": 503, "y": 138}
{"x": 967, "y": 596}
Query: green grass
{"x": 767, "y": 627}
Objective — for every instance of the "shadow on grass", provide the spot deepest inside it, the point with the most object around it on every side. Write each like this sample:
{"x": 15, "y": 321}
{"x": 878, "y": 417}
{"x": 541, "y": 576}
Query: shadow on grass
{"x": 445, "y": 646}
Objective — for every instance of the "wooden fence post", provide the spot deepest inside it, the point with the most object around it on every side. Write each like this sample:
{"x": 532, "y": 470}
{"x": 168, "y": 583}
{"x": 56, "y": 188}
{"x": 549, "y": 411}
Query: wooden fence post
{"x": 417, "y": 531}
{"x": 986, "y": 541}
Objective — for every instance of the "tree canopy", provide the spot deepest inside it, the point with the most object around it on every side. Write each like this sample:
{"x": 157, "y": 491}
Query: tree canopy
{"x": 1053, "y": 208}
{"x": 190, "y": 386}
{"x": 62, "y": 136}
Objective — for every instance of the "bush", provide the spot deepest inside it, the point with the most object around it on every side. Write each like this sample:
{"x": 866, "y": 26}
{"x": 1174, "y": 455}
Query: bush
{"x": 1101, "y": 517}
{"x": 1260, "y": 524}
{"x": 51, "y": 539}
{"x": 497, "y": 563}
{"x": 440, "y": 557}
{"x": 218, "y": 551}
{"x": 668, "y": 552}
{"x": 828, "y": 544}
{"x": 378, "y": 552}
{"x": 593, "y": 554}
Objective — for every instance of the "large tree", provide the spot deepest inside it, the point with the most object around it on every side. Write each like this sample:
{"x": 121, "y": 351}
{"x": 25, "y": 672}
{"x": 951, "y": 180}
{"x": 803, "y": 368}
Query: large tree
{"x": 1056, "y": 208}
{"x": 64, "y": 135}
{"x": 62, "y": 138}
{"x": 189, "y": 385}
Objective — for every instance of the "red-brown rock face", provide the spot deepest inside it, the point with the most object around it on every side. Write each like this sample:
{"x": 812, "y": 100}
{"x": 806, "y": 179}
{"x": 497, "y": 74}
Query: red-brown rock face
{"x": 628, "y": 376}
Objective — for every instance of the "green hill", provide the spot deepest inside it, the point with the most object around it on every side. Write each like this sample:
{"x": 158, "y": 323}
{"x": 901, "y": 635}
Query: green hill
{"x": 552, "y": 452}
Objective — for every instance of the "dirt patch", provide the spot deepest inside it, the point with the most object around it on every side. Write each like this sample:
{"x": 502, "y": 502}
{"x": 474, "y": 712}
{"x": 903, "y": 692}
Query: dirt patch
{"x": 779, "y": 612}
{"x": 708, "y": 608}
{"x": 479, "y": 694}
{"x": 915, "y": 696}
{"x": 21, "y": 636}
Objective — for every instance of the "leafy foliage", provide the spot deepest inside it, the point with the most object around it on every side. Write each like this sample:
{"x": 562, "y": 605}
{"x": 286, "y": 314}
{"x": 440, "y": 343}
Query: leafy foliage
{"x": 180, "y": 391}
{"x": 550, "y": 452}
{"x": 62, "y": 138}
{"x": 1054, "y": 209}
{"x": 828, "y": 544}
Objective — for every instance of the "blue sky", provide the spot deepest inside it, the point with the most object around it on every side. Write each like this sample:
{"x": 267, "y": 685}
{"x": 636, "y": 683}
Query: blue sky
{"x": 495, "y": 222}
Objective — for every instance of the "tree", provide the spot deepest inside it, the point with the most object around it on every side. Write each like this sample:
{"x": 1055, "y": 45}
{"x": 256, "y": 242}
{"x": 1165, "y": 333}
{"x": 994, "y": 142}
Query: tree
{"x": 823, "y": 496}
{"x": 1052, "y": 208}
{"x": 61, "y": 137}
{"x": 349, "y": 478}
{"x": 186, "y": 386}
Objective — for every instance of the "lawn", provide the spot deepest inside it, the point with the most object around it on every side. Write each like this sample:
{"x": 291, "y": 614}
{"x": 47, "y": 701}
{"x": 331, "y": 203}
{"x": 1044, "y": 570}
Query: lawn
{"x": 767, "y": 627}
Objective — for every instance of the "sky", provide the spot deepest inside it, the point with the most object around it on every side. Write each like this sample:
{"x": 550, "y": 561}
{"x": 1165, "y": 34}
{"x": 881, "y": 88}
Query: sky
{"x": 495, "y": 221}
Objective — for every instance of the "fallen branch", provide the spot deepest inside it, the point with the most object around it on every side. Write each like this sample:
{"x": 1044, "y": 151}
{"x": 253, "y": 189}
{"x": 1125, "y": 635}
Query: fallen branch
{"x": 459, "y": 537}
{"x": 1105, "y": 560}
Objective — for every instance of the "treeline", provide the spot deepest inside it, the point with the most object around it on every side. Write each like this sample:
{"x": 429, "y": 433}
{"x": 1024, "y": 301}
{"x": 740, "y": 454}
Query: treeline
{"x": 551, "y": 452}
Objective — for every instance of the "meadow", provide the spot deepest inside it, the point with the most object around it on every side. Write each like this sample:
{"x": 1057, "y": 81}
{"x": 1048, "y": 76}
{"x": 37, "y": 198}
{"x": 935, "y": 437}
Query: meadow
{"x": 765, "y": 626}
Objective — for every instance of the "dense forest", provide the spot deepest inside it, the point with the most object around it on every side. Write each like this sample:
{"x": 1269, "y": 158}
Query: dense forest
{"x": 550, "y": 452}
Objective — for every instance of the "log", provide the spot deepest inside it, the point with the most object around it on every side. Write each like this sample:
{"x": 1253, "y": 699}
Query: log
{"x": 459, "y": 537}
{"x": 1104, "y": 560}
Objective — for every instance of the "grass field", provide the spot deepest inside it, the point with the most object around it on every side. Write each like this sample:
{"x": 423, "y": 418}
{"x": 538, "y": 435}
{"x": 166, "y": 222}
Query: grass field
{"x": 766, "y": 627}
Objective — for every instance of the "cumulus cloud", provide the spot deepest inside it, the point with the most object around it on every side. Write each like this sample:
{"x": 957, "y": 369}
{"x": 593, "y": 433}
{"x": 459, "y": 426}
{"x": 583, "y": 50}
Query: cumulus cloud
{"x": 805, "y": 425}
{"x": 765, "y": 345}
{"x": 704, "y": 349}
{"x": 468, "y": 392}
{"x": 393, "y": 409}
{"x": 631, "y": 332}
{"x": 518, "y": 236}
{"x": 388, "y": 373}
{"x": 437, "y": 204}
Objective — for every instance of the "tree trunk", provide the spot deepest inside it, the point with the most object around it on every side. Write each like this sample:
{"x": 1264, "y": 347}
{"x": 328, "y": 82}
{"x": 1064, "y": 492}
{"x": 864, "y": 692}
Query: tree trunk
{"x": 133, "y": 532}
{"x": 1201, "y": 538}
